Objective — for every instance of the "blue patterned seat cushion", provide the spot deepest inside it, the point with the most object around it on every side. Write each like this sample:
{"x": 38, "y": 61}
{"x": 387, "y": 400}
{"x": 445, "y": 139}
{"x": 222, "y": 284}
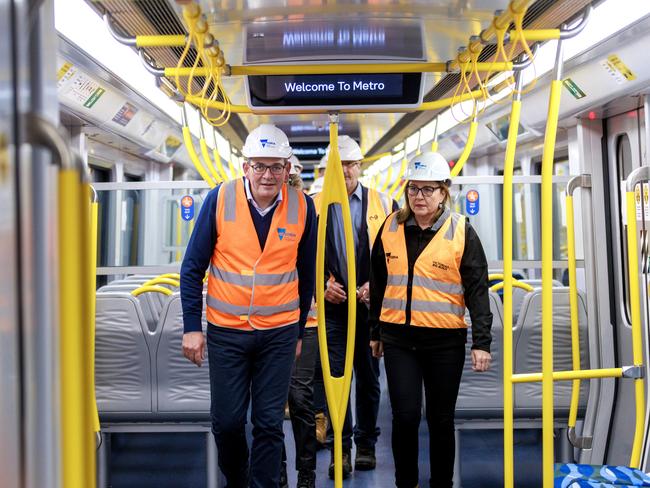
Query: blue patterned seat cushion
{"x": 586, "y": 475}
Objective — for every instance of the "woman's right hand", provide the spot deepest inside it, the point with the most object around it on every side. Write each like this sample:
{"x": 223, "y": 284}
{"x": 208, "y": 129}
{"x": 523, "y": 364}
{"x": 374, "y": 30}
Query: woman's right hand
{"x": 377, "y": 348}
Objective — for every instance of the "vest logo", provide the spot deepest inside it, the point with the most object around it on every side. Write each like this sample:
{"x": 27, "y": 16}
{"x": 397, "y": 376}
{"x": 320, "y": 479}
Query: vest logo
{"x": 419, "y": 165}
{"x": 284, "y": 235}
{"x": 441, "y": 266}
{"x": 266, "y": 142}
{"x": 390, "y": 256}
{"x": 374, "y": 217}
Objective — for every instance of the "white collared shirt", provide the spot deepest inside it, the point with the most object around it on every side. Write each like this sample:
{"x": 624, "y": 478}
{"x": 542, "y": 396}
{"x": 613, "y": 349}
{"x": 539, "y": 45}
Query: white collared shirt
{"x": 250, "y": 198}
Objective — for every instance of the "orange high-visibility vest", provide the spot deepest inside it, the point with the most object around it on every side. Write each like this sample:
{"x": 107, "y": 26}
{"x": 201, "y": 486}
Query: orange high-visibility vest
{"x": 379, "y": 206}
{"x": 437, "y": 298}
{"x": 249, "y": 287}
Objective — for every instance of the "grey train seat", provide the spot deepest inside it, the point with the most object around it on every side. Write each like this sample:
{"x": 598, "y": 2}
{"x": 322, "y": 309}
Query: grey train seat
{"x": 528, "y": 351}
{"x": 481, "y": 394}
{"x": 518, "y": 295}
{"x": 123, "y": 373}
{"x": 183, "y": 389}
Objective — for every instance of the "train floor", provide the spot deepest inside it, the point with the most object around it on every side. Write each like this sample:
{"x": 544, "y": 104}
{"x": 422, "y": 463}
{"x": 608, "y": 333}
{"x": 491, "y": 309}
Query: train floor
{"x": 177, "y": 460}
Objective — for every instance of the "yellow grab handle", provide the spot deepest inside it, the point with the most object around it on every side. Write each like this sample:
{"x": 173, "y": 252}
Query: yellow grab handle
{"x": 469, "y": 145}
{"x": 573, "y": 301}
{"x": 208, "y": 161}
{"x": 534, "y": 35}
{"x": 400, "y": 175}
{"x": 217, "y": 159}
{"x": 187, "y": 138}
{"x": 144, "y": 289}
{"x": 389, "y": 177}
{"x": 337, "y": 389}
{"x": 637, "y": 335}
{"x": 162, "y": 281}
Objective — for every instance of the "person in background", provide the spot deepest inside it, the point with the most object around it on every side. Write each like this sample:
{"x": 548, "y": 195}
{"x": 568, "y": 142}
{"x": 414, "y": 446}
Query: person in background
{"x": 294, "y": 173}
{"x": 257, "y": 237}
{"x": 428, "y": 264}
{"x": 301, "y": 390}
{"x": 368, "y": 209}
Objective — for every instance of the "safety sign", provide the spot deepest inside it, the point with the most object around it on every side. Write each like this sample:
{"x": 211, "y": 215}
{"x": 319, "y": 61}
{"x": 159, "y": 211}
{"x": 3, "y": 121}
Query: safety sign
{"x": 187, "y": 207}
{"x": 472, "y": 202}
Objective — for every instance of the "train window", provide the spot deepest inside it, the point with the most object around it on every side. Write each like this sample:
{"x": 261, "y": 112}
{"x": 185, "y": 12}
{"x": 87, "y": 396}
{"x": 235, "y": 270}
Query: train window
{"x": 131, "y": 223}
{"x": 625, "y": 165}
{"x": 99, "y": 174}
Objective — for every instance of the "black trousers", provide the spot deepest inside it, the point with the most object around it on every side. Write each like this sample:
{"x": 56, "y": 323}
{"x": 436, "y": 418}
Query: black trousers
{"x": 406, "y": 370}
{"x": 366, "y": 380}
{"x": 301, "y": 402}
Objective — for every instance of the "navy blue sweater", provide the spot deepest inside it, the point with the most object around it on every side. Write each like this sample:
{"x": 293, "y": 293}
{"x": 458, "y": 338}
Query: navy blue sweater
{"x": 201, "y": 246}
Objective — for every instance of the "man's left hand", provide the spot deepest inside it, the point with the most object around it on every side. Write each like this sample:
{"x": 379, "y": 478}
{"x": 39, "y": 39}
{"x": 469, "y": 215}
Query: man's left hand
{"x": 480, "y": 360}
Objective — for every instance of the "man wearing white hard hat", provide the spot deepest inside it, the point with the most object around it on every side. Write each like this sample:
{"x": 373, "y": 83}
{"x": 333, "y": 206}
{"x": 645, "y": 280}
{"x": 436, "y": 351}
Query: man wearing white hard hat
{"x": 294, "y": 173}
{"x": 368, "y": 209}
{"x": 428, "y": 264}
{"x": 257, "y": 237}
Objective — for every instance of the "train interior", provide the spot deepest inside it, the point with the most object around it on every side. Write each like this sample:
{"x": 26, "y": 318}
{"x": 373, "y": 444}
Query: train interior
{"x": 154, "y": 120}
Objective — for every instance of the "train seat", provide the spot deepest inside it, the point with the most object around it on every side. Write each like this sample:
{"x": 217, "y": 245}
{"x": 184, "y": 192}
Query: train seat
{"x": 528, "y": 351}
{"x": 123, "y": 373}
{"x": 481, "y": 394}
{"x": 183, "y": 389}
{"x": 518, "y": 295}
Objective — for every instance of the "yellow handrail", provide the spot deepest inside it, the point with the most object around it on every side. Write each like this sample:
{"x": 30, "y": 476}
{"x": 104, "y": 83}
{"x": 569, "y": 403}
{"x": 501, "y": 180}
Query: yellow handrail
{"x": 144, "y": 289}
{"x": 573, "y": 301}
{"x": 162, "y": 281}
{"x": 585, "y": 374}
{"x": 547, "y": 282}
{"x": 637, "y": 336}
{"x": 337, "y": 389}
{"x": 508, "y": 397}
{"x": 76, "y": 423}
{"x": 217, "y": 160}
{"x": 467, "y": 150}
{"x": 516, "y": 284}
{"x": 92, "y": 271}
{"x": 160, "y": 41}
{"x": 534, "y": 35}
{"x": 436, "y": 104}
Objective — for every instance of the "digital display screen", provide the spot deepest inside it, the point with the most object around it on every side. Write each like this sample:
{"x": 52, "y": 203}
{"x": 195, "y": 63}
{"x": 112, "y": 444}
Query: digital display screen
{"x": 335, "y": 90}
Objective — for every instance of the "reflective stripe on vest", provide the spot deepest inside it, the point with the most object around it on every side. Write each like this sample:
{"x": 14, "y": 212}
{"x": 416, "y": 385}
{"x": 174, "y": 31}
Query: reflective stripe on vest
{"x": 437, "y": 298}
{"x": 380, "y": 206}
{"x": 247, "y": 287}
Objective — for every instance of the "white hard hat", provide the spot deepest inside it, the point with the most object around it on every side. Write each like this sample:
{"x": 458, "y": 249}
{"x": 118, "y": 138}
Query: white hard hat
{"x": 429, "y": 166}
{"x": 349, "y": 150}
{"x": 267, "y": 141}
{"x": 316, "y": 186}
{"x": 296, "y": 167}
{"x": 323, "y": 162}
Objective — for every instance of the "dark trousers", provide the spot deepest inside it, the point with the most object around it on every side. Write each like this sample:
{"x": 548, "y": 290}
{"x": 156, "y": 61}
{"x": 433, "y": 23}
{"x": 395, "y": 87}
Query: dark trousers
{"x": 301, "y": 402}
{"x": 244, "y": 366}
{"x": 440, "y": 371}
{"x": 366, "y": 378}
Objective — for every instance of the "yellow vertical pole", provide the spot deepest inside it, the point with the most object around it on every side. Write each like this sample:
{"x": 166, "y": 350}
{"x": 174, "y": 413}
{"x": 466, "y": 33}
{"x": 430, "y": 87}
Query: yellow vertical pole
{"x": 337, "y": 389}
{"x": 547, "y": 271}
{"x": 508, "y": 402}
{"x": 637, "y": 335}
{"x": 92, "y": 274}
{"x": 74, "y": 417}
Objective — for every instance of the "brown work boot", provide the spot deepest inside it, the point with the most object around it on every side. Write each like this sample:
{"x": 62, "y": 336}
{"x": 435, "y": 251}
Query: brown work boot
{"x": 321, "y": 429}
